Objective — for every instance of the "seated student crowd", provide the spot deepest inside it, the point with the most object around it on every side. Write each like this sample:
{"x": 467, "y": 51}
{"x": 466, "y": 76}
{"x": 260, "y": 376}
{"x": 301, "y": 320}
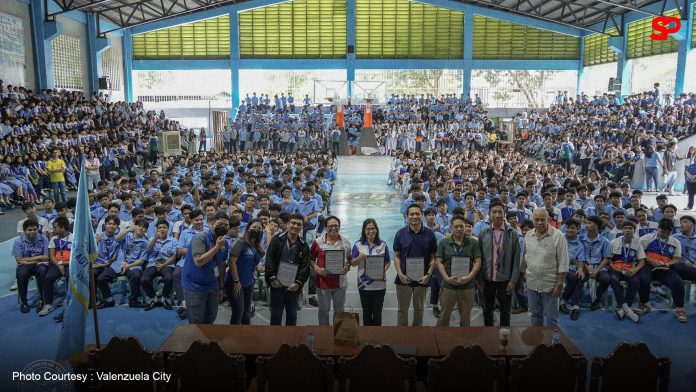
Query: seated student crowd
{"x": 611, "y": 235}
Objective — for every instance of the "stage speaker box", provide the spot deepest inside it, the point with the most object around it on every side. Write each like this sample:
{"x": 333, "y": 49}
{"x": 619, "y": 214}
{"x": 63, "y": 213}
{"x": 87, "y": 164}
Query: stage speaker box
{"x": 350, "y": 49}
{"x": 105, "y": 83}
{"x": 169, "y": 143}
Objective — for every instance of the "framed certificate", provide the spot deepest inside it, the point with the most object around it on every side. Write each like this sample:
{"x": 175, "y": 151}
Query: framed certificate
{"x": 287, "y": 273}
{"x": 334, "y": 261}
{"x": 460, "y": 266}
{"x": 415, "y": 268}
{"x": 374, "y": 267}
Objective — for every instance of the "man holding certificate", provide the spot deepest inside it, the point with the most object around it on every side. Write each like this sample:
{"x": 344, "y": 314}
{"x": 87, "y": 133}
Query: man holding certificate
{"x": 330, "y": 257}
{"x": 287, "y": 270}
{"x": 459, "y": 260}
{"x": 414, "y": 259}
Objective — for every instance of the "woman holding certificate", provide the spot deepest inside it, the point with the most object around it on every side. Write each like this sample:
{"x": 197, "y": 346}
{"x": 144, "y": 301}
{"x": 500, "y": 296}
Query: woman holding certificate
{"x": 331, "y": 259}
{"x": 458, "y": 259}
{"x": 371, "y": 255}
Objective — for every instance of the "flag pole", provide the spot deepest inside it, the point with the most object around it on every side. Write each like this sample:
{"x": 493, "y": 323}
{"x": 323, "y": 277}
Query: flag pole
{"x": 92, "y": 283}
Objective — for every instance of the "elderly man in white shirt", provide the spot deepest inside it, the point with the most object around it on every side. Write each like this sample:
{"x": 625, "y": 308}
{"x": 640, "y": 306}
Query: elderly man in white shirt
{"x": 544, "y": 264}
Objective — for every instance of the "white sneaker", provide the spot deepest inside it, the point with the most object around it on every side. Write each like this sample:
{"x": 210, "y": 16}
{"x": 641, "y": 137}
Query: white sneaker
{"x": 632, "y": 315}
{"x": 46, "y": 310}
{"x": 621, "y": 313}
{"x": 14, "y": 286}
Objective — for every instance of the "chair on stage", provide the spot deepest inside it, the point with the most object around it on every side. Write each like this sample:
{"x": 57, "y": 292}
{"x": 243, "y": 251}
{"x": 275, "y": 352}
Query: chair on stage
{"x": 294, "y": 368}
{"x": 205, "y": 364}
{"x": 630, "y": 367}
{"x": 481, "y": 372}
{"x": 122, "y": 356}
{"x": 548, "y": 368}
{"x": 376, "y": 368}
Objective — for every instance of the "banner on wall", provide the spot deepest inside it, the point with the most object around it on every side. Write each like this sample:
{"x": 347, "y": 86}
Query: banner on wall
{"x": 12, "y": 61}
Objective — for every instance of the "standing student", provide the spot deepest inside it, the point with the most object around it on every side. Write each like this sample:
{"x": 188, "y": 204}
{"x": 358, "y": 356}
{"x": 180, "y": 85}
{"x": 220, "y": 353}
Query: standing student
{"x": 545, "y": 264}
{"x": 245, "y": 258}
{"x": 56, "y": 170}
{"x": 287, "y": 247}
{"x": 457, "y": 290}
{"x": 331, "y": 288}
{"x": 415, "y": 241}
{"x": 200, "y": 277}
{"x": 371, "y": 290}
{"x": 500, "y": 261}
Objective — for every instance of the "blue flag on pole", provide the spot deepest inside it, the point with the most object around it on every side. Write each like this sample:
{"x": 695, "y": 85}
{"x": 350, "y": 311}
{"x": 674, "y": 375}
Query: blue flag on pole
{"x": 84, "y": 250}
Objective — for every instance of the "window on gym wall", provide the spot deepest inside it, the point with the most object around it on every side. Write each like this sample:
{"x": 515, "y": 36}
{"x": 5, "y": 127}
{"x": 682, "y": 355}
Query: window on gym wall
{"x": 111, "y": 67}
{"x": 319, "y": 84}
{"x": 518, "y": 89}
{"x": 67, "y": 65}
{"x": 409, "y": 81}
{"x": 646, "y": 71}
{"x": 595, "y": 78}
{"x": 189, "y": 85}
{"x": 690, "y": 80}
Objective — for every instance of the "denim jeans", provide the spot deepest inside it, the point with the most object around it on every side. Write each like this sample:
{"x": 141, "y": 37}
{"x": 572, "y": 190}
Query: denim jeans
{"x": 241, "y": 304}
{"x": 572, "y": 293}
{"x": 202, "y": 306}
{"x": 325, "y": 297}
{"x": 282, "y": 299}
{"x": 543, "y": 304}
{"x": 59, "y": 192}
{"x": 670, "y": 181}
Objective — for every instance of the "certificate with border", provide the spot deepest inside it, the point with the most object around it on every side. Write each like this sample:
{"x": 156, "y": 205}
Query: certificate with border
{"x": 415, "y": 267}
{"x": 461, "y": 265}
{"x": 374, "y": 267}
{"x": 287, "y": 273}
{"x": 334, "y": 261}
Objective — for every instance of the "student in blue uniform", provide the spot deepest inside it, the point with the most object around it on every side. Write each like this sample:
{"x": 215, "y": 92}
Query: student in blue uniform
{"x": 627, "y": 259}
{"x": 30, "y": 252}
{"x": 161, "y": 254}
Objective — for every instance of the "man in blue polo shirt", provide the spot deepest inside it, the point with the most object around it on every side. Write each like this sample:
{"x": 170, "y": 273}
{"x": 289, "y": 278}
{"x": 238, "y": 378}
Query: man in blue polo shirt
{"x": 413, "y": 242}
{"x": 307, "y": 207}
{"x": 598, "y": 257}
{"x": 31, "y": 254}
{"x": 201, "y": 277}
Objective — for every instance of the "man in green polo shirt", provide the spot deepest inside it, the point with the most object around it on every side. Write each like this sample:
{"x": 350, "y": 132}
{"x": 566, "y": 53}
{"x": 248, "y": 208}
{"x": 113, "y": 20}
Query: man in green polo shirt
{"x": 459, "y": 260}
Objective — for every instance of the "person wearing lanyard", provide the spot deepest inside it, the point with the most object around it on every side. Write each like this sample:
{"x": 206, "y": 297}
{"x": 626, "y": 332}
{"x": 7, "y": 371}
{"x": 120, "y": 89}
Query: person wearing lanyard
{"x": 577, "y": 276}
{"x": 185, "y": 238}
{"x": 627, "y": 258}
{"x": 287, "y": 247}
{"x": 29, "y": 250}
{"x": 598, "y": 255}
{"x": 245, "y": 257}
{"x": 200, "y": 277}
{"x": 161, "y": 254}
{"x": 59, "y": 249}
{"x": 457, "y": 290}
{"x": 499, "y": 244}
{"x": 371, "y": 291}
{"x": 109, "y": 251}
{"x": 414, "y": 241}
{"x": 687, "y": 268}
{"x": 662, "y": 252}
{"x": 134, "y": 248}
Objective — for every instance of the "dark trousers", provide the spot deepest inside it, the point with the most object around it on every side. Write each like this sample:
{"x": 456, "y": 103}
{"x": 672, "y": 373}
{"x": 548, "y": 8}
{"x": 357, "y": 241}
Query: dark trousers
{"x": 146, "y": 281}
{"x": 178, "y": 289}
{"x": 312, "y": 282}
{"x": 50, "y": 274}
{"x": 629, "y": 294}
{"x": 282, "y": 299}
{"x": 435, "y": 284}
{"x": 602, "y": 278}
{"x": 572, "y": 293}
{"x": 691, "y": 188}
{"x": 24, "y": 272}
{"x": 584, "y": 164}
{"x": 519, "y": 293}
{"x": 669, "y": 278}
{"x": 685, "y": 271}
{"x": 202, "y": 146}
{"x": 372, "y": 302}
{"x": 491, "y": 291}
{"x": 108, "y": 276}
{"x": 334, "y": 148}
{"x": 241, "y": 304}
